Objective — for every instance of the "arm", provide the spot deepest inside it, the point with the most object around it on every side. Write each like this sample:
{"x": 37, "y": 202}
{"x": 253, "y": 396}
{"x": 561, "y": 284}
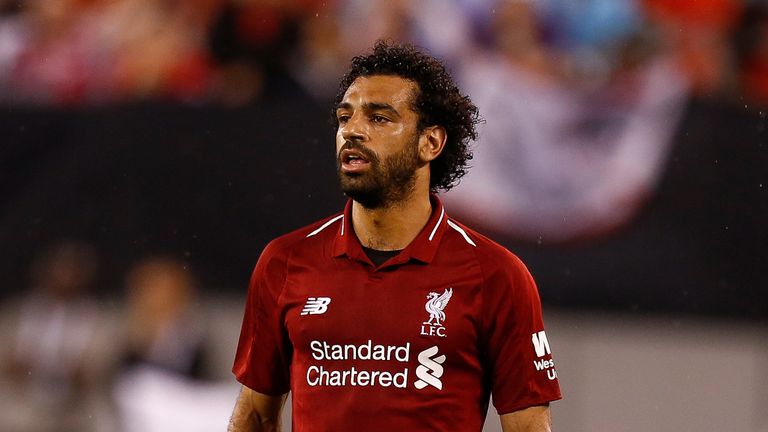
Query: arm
{"x": 533, "y": 419}
{"x": 256, "y": 412}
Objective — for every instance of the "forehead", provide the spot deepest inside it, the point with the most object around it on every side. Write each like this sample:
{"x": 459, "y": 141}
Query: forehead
{"x": 389, "y": 89}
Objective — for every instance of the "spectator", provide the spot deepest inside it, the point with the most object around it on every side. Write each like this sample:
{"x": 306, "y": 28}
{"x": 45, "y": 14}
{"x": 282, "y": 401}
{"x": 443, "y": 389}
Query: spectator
{"x": 751, "y": 44}
{"x": 164, "y": 382}
{"x": 697, "y": 33}
{"x": 58, "y": 60}
{"x": 57, "y": 357}
{"x": 164, "y": 329}
{"x": 251, "y": 43}
{"x": 13, "y": 35}
{"x": 158, "y": 48}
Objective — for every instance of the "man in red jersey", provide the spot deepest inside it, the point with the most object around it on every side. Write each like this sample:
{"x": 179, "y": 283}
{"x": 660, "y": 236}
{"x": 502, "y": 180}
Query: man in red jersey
{"x": 391, "y": 315}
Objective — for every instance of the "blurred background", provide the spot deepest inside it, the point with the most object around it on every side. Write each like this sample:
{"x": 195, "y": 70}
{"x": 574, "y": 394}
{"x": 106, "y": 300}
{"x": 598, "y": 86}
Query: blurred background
{"x": 149, "y": 149}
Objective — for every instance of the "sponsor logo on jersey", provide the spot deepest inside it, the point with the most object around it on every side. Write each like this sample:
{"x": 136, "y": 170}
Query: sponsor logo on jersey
{"x": 430, "y": 369}
{"x": 434, "y": 307}
{"x": 541, "y": 346}
{"x": 368, "y": 371}
{"x": 316, "y": 305}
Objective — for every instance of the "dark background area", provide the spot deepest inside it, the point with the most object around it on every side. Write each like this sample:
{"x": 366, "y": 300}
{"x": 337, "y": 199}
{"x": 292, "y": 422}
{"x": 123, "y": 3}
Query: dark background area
{"x": 210, "y": 185}
{"x": 214, "y": 185}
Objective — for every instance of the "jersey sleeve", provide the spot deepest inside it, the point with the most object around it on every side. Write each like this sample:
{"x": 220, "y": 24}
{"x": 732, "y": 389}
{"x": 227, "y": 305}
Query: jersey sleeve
{"x": 516, "y": 349}
{"x": 263, "y": 356}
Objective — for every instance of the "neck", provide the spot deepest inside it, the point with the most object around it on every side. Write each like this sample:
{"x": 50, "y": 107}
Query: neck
{"x": 393, "y": 227}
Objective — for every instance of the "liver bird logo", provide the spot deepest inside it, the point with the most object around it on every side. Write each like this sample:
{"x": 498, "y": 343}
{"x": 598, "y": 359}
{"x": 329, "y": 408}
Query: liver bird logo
{"x": 435, "y": 305}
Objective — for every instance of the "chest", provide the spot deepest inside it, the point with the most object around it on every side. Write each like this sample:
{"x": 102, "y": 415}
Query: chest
{"x": 347, "y": 302}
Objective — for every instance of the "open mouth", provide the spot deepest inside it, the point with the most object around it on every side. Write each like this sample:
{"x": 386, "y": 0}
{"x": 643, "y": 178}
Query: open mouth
{"x": 353, "y": 160}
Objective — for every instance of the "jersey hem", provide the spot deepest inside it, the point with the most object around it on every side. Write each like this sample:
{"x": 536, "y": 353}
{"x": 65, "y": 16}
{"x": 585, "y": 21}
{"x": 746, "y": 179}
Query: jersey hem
{"x": 521, "y": 406}
{"x": 263, "y": 390}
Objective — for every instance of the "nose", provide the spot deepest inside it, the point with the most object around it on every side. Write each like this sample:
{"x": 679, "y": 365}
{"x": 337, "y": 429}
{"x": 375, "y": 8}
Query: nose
{"x": 353, "y": 129}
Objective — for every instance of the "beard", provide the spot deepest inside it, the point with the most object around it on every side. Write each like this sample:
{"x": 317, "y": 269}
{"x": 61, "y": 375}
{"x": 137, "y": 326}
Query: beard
{"x": 387, "y": 182}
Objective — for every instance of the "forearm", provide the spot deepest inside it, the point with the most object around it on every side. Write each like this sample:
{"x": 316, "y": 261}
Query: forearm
{"x": 533, "y": 419}
{"x": 255, "y": 412}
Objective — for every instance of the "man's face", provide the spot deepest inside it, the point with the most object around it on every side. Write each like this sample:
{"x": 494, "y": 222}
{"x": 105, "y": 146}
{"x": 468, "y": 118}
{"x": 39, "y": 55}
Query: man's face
{"x": 377, "y": 142}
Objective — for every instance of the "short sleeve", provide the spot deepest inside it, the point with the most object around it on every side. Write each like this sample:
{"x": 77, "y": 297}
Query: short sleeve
{"x": 515, "y": 346}
{"x": 263, "y": 356}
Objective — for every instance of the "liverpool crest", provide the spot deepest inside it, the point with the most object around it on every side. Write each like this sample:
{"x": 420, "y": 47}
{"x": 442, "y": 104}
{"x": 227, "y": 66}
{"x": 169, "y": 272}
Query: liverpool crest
{"x": 434, "y": 306}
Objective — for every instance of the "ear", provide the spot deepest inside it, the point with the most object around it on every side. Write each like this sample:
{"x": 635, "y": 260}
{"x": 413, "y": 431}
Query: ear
{"x": 432, "y": 143}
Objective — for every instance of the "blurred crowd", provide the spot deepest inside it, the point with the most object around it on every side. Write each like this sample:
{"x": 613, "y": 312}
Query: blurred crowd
{"x": 581, "y": 98}
{"x": 72, "y": 363}
{"x": 91, "y": 52}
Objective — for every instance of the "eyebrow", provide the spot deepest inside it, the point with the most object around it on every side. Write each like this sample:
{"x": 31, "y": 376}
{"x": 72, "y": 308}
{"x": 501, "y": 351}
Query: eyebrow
{"x": 371, "y": 106}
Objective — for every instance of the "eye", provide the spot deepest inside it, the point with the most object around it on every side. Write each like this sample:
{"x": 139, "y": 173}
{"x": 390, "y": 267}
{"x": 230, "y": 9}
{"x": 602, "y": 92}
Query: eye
{"x": 376, "y": 118}
{"x": 342, "y": 118}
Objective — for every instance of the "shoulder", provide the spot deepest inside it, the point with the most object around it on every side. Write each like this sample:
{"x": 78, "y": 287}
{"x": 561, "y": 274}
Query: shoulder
{"x": 309, "y": 236}
{"x": 488, "y": 251}
{"x": 307, "y": 241}
{"x": 507, "y": 287}
{"x": 495, "y": 261}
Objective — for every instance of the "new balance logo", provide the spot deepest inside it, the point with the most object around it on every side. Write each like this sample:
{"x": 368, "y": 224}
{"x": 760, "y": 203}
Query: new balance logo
{"x": 540, "y": 344}
{"x": 430, "y": 370}
{"x": 316, "y": 305}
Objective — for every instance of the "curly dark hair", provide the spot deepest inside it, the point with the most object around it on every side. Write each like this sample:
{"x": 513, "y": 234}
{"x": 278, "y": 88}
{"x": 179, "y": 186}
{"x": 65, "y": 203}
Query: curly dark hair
{"x": 438, "y": 103}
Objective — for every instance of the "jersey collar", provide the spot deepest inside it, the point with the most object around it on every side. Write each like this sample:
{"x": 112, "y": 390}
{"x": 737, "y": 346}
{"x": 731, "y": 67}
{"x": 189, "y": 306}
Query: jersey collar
{"x": 422, "y": 248}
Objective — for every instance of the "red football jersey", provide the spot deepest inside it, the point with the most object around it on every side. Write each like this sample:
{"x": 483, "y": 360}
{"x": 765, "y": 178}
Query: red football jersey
{"x": 416, "y": 344}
